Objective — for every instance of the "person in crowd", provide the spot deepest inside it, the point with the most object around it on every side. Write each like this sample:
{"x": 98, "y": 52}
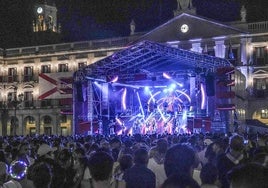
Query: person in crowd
{"x": 41, "y": 175}
{"x": 250, "y": 175}
{"x": 209, "y": 176}
{"x": 214, "y": 150}
{"x": 139, "y": 176}
{"x": 156, "y": 162}
{"x": 18, "y": 175}
{"x": 115, "y": 145}
{"x": 45, "y": 153}
{"x": 233, "y": 157}
{"x": 8, "y": 153}
{"x": 179, "y": 181}
{"x": 80, "y": 167}
{"x": 23, "y": 153}
{"x": 100, "y": 166}
{"x": 65, "y": 160}
{"x": 125, "y": 162}
{"x": 261, "y": 158}
{"x": 181, "y": 160}
{"x": 202, "y": 152}
{"x": 3, "y": 173}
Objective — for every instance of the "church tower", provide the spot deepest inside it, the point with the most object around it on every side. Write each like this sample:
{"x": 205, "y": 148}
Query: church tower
{"x": 45, "y": 17}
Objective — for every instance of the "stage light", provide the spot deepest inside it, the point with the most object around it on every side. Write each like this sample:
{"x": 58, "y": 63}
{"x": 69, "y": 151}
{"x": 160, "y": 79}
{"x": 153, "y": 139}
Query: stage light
{"x": 180, "y": 84}
{"x": 146, "y": 90}
{"x": 203, "y": 96}
{"x": 172, "y": 86}
{"x": 165, "y": 90}
{"x": 167, "y": 76}
{"x": 115, "y": 79}
{"x": 124, "y": 99}
{"x": 141, "y": 108}
{"x": 185, "y": 94}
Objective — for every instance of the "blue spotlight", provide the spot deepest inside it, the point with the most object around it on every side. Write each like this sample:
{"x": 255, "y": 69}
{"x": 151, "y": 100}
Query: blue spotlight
{"x": 146, "y": 90}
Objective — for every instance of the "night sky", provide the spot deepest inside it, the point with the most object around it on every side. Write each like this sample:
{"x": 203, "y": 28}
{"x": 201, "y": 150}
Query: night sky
{"x": 95, "y": 19}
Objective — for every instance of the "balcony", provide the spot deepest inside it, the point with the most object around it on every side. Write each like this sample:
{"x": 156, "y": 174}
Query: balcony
{"x": 13, "y": 78}
{"x": 258, "y": 26}
{"x": 28, "y": 104}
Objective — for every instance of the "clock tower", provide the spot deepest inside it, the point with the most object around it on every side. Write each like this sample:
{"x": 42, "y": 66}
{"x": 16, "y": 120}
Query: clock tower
{"x": 45, "y": 17}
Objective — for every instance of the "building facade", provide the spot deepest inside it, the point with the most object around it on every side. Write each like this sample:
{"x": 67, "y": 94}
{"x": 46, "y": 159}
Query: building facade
{"x": 36, "y": 84}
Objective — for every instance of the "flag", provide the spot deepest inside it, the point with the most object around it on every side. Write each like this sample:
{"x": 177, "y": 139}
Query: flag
{"x": 55, "y": 85}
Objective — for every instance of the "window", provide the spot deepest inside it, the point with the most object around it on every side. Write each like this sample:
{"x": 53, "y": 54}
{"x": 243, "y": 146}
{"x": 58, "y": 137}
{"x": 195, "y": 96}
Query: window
{"x": 47, "y": 120}
{"x": 45, "y": 69}
{"x": 28, "y": 74}
{"x": 12, "y": 71}
{"x": 63, "y": 68}
{"x": 211, "y": 52}
{"x": 28, "y": 99}
{"x": 264, "y": 114}
{"x": 12, "y": 75}
{"x": 30, "y": 120}
{"x": 63, "y": 118}
{"x": 260, "y": 55}
{"x": 46, "y": 102}
{"x": 260, "y": 84}
{"x": 10, "y": 96}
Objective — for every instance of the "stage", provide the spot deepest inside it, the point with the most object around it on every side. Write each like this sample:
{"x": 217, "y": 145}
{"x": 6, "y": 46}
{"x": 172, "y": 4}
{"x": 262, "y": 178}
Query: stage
{"x": 151, "y": 88}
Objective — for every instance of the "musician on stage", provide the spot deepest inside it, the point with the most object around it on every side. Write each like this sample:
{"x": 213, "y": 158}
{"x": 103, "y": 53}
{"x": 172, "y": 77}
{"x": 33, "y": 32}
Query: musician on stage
{"x": 112, "y": 126}
{"x": 136, "y": 128}
{"x": 123, "y": 127}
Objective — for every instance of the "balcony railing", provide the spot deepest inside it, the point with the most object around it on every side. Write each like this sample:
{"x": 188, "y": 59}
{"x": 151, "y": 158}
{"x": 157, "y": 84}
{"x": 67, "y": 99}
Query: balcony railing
{"x": 86, "y": 45}
{"x": 258, "y": 26}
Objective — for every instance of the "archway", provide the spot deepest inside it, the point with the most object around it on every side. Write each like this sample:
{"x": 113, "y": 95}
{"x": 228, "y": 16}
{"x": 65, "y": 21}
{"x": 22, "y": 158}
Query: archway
{"x": 46, "y": 125}
{"x": 30, "y": 125}
{"x": 13, "y": 126}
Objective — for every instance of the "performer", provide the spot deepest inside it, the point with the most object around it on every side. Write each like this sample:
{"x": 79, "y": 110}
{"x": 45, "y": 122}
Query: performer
{"x": 100, "y": 127}
{"x": 123, "y": 127}
{"x": 136, "y": 127}
{"x": 112, "y": 126}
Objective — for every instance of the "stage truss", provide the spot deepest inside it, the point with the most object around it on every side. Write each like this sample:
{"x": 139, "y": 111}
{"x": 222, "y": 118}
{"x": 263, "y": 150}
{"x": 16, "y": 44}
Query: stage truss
{"x": 138, "y": 65}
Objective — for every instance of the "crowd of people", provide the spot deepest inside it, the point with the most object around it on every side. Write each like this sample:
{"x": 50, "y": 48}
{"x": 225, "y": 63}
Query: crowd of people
{"x": 211, "y": 160}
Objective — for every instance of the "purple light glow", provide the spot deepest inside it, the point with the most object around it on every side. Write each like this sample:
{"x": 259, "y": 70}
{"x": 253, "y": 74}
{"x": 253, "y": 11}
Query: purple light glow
{"x": 167, "y": 76}
{"x": 124, "y": 99}
{"x": 203, "y": 96}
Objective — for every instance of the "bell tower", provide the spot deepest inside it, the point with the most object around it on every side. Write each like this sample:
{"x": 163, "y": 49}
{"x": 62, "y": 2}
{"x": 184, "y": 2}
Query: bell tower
{"x": 45, "y": 17}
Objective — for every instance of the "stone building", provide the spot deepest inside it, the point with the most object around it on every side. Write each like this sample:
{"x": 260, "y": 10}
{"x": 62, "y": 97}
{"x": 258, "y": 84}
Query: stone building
{"x": 36, "y": 82}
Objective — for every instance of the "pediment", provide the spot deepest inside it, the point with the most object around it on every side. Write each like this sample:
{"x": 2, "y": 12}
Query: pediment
{"x": 199, "y": 28}
{"x": 260, "y": 72}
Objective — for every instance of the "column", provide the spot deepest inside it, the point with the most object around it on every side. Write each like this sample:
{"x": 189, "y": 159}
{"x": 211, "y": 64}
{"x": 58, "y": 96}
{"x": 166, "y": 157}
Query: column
{"x": 243, "y": 51}
{"x": 219, "y": 48}
{"x": 196, "y": 47}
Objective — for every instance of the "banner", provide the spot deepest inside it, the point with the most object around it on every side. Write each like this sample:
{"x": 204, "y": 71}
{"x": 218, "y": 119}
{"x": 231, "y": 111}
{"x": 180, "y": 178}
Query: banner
{"x": 55, "y": 85}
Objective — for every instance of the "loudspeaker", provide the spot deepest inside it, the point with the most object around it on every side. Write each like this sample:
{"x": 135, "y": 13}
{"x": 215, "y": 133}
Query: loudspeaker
{"x": 80, "y": 92}
{"x": 210, "y": 85}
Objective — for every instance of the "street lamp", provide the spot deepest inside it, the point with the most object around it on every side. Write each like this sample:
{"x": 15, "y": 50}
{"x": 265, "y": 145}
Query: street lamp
{"x": 16, "y": 101}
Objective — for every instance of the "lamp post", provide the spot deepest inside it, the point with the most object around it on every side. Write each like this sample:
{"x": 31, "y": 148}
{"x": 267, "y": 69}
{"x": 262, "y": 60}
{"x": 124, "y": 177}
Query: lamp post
{"x": 17, "y": 100}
